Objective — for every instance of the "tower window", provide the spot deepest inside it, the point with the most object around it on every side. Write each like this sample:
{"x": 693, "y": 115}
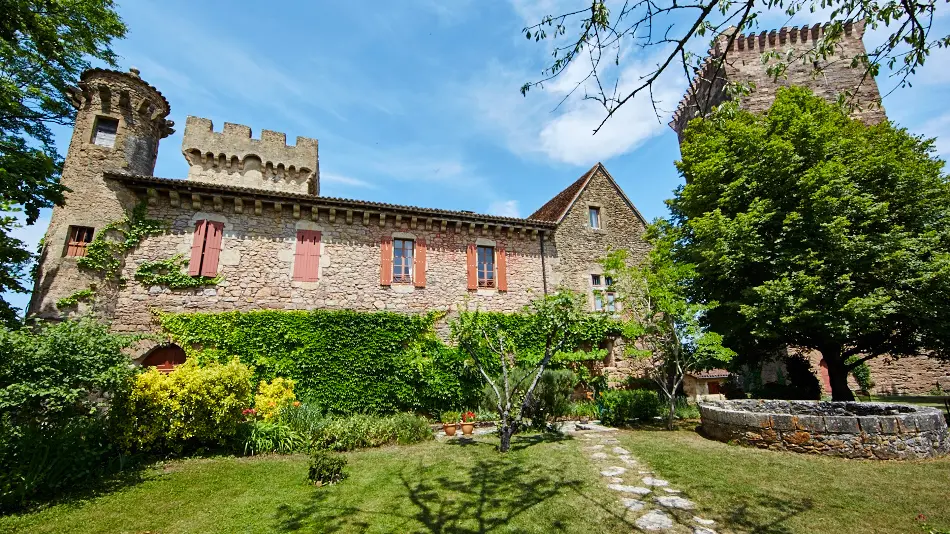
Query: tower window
{"x": 594, "y": 214}
{"x": 106, "y": 129}
{"x": 486, "y": 266}
{"x": 402, "y": 261}
{"x": 79, "y": 239}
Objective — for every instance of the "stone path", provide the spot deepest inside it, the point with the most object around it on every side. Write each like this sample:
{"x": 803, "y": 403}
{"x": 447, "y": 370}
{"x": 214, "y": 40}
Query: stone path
{"x": 658, "y": 507}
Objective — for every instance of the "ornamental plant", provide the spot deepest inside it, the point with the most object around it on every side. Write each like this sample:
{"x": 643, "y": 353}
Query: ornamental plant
{"x": 468, "y": 417}
{"x": 449, "y": 418}
{"x": 274, "y": 396}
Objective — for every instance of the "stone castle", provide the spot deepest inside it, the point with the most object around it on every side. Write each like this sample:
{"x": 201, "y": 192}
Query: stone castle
{"x": 250, "y": 216}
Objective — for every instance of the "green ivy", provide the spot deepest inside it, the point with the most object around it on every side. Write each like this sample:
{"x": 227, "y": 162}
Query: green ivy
{"x": 107, "y": 250}
{"x": 169, "y": 273}
{"x": 76, "y": 298}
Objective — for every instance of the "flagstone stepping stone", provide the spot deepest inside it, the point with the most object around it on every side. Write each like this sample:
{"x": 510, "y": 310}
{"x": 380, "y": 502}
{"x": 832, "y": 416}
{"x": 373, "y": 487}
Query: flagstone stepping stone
{"x": 594, "y": 447}
{"x": 632, "y": 504}
{"x": 628, "y": 460}
{"x": 650, "y": 481}
{"x": 654, "y": 520}
{"x": 645, "y": 472}
{"x": 629, "y": 489}
{"x": 671, "y": 490}
{"x": 615, "y": 480}
{"x": 701, "y": 521}
{"x": 611, "y": 441}
{"x": 675, "y": 501}
{"x": 613, "y": 471}
{"x": 621, "y": 451}
{"x": 599, "y": 456}
{"x": 703, "y": 530}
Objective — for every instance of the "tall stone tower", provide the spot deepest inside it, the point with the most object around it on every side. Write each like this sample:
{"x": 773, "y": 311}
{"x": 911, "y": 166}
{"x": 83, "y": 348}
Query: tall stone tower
{"x": 742, "y": 62}
{"x": 119, "y": 121}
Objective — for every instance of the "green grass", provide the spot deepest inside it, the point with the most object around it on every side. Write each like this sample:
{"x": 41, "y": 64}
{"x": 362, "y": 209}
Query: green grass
{"x": 754, "y": 490}
{"x": 922, "y": 400}
{"x": 544, "y": 485}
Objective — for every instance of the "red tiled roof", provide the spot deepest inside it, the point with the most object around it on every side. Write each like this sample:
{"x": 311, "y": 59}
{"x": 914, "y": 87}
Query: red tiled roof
{"x": 555, "y": 208}
{"x": 710, "y": 373}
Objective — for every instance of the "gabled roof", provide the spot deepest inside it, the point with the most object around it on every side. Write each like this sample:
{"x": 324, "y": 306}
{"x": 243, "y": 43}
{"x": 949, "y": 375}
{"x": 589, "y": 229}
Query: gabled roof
{"x": 556, "y": 208}
{"x": 710, "y": 373}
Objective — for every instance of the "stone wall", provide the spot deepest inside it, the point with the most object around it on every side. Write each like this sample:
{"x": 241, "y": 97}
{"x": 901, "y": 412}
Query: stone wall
{"x": 910, "y": 375}
{"x": 233, "y": 157}
{"x": 257, "y": 264}
{"x": 844, "y": 429}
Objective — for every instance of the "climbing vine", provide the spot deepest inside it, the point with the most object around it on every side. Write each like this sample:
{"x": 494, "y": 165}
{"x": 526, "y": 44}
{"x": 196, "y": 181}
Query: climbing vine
{"x": 77, "y": 297}
{"x": 107, "y": 250}
{"x": 169, "y": 273}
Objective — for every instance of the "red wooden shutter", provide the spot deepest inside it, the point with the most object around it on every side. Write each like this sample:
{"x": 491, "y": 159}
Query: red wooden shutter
{"x": 197, "y": 248}
{"x": 307, "y": 259}
{"x": 419, "y": 276}
{"x": 209, "y": 265}
{"x": 501, "y": 267}
{"x": 472, "y": 265}
{"x": 386, "y": 261}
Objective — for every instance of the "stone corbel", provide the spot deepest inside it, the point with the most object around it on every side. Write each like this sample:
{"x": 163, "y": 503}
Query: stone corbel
{"x": 152, "y": 196}
{"x": 279, "y": 208}
{"x": 349, "y": 216}
{"x": 314, "y": 213}
{"x": 296, "y": 211}
{"x": 258, "y": 207}
{"x": 382, "y": 219}
{"x": 332, "y": 215}
{"x": 195, "y": 201}
{"x": 413, "y": 222}
{"x": 218, "y": 203}
{"x": 365, "y": 218}
{"x": 238, "y": 205}
{"x": 174, "y": 199}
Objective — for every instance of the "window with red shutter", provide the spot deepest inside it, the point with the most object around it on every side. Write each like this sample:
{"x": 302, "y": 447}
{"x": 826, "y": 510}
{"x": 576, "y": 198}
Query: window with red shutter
{"x": 206, "y": 248}
{"x": 307, "y": 256}
{"x": 79, "y": 238}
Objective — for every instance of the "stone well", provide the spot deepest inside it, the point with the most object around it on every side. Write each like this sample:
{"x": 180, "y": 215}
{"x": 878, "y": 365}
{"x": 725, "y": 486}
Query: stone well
{"x": 847, "y": 429}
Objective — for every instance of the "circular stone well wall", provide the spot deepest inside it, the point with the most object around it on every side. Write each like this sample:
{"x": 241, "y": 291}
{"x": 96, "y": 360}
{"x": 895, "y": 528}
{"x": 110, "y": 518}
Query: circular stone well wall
{"x": 847, "y": 429}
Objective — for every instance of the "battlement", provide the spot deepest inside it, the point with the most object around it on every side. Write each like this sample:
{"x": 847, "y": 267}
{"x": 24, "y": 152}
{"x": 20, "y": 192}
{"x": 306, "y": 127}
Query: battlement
{"x": 234, "y": 157}
{"x": 783, "y": 37}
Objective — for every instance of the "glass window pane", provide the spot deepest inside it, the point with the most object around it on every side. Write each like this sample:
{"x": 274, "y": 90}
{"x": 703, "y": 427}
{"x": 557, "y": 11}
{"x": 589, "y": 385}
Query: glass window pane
{"x": 598, "y": 302}
{"x": 595, "y": 280}
{"x": 595, "y": 217}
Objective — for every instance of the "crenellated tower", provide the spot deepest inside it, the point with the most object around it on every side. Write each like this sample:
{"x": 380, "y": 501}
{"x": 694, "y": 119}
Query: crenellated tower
{"x": 233, "y": 157}
{"x": 120, "y": 120}
{"x": 742, "y": 62}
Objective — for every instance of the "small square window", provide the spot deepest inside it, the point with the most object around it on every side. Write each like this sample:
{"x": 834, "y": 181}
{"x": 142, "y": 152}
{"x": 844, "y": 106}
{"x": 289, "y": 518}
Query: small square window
{"x": 105, "y": 131}
{"x": 79, "y": 238}
{"x": 594, "y": 217}
{"x": 608, "y": 281}
{"x": 595, "y": 280}
{"x": 402, "y": 261}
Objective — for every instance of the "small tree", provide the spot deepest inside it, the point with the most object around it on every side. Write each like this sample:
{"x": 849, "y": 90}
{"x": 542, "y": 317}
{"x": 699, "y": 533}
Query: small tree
{"x": 666, "y": 327}
{"x": 513, "y": 377}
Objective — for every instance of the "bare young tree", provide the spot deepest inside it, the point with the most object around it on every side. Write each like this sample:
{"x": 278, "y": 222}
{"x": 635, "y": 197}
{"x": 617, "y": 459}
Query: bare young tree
{"x": 607, "y": 36}
{"x": 511, "y": 376}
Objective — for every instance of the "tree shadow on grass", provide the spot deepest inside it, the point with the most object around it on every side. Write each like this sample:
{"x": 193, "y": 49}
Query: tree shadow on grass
{"x": 766, "y": 514}
{"x": 483, "y": 497}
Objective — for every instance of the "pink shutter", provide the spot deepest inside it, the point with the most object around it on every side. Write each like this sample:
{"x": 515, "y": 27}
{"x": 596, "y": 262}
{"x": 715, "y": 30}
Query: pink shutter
{"x": 313, "y": 256}
{"x": 209, "y": 266}
{"x": 197, "y": 248}
{"x": 501, "y": 269}
{"x": 386, "y": 261}
{"x": 419, "y": 276}
{"x": 300, "y": 256}
{"x": 472, "y": 265}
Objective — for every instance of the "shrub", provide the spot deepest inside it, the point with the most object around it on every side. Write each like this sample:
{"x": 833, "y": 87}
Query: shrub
{"x": 552, "y": 398}
{"x": 326, "y": 467}
{"x": 274, "y": 396}
{"x": 53, "y": 424}
{"x": 272, "y": 437}
{"x": 361, "y": 431}
{"x": 449, "y": 417}
{"x": 302, "y": 419}
{"x": 862, "y": 375}
{"x": 620, "y": 406}
{"x": 583, "y": 409}
{"x": 685, "y": 409}
{"x": 193, "y": 406}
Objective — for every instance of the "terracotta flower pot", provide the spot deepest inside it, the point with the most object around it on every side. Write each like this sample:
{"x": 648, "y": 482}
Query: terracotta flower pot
{"x": 449, "y": 429}
{"x": 468, "y": 428}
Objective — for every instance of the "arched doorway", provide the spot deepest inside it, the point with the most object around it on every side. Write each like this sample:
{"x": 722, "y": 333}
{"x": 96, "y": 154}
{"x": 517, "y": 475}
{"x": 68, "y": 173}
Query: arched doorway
{"x": 825, "y": 377}
{"x": 165, "y": 358}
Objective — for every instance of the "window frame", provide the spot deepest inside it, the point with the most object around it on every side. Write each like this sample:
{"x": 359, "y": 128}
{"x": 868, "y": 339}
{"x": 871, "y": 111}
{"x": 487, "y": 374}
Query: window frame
{"x": 406, "y": 263}
{"x": 486, "y": 282}
{"x": 604, "y": 299}
{"x": 96, "y": 129}
{"x": 593, "y": 211}
{"x": 73, "y": 245}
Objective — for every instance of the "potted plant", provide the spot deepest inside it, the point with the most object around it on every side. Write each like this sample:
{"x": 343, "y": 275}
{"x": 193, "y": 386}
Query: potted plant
{"x": 449, "y": 422}
{"x": 468, "y": 423}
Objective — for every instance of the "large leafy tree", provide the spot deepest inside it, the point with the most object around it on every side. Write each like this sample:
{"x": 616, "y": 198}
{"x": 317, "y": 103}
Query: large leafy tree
{"x": 814, "y": 230}
{"x": 44, "y": 47}
{"x": 666, "y": 327}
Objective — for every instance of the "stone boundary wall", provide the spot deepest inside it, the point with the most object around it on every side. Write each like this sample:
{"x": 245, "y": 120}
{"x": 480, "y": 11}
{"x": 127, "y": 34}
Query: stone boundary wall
{"x": 845, "y": 429}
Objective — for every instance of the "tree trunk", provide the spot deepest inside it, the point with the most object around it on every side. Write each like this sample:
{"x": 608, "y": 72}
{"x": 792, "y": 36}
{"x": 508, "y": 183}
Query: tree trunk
{"x": 672, "y": 413}
{"x": 837, "y": 374}
{"x": 505, "y": 436}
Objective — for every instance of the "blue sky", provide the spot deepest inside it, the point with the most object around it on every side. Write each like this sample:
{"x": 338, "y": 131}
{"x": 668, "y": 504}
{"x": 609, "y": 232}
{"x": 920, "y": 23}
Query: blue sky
{"x": 417, "y": 102}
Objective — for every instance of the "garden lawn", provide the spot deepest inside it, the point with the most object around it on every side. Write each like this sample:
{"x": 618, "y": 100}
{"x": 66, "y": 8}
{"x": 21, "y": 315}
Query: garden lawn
{"x": 542, "y": 485}
{"x": 922, "y": 400}
{"x": 754, "y": 490}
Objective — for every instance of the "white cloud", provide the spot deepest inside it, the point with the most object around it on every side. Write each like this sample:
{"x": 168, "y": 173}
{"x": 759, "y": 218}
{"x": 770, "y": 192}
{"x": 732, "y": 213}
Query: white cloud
{"x": 344, "y": 180}
{"x": 505, "y": 208}
{"x": 939, "y": 128}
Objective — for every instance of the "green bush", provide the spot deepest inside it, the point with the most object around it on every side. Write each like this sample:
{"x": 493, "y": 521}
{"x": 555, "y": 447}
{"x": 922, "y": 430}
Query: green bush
{"x": 552, "y": 398}
{"x": 685, "y": 409}
{"x": 326, "y": 467}
{"x": 272, "y": 437}
{"x": 53, "y": 422}
{"x": 362, "y": 431}
{"x": 193, "y": 406}
{"x": 583, "y": 409}
{"x": 621, "y": 406}
{"x": 352, "y": 362}
{"x": 303, "y": 419}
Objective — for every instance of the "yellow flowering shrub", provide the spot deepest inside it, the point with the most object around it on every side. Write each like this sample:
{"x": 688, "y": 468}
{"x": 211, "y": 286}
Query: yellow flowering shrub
{"x": 200, "y": 405}
{"x": 273, "y": 396}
